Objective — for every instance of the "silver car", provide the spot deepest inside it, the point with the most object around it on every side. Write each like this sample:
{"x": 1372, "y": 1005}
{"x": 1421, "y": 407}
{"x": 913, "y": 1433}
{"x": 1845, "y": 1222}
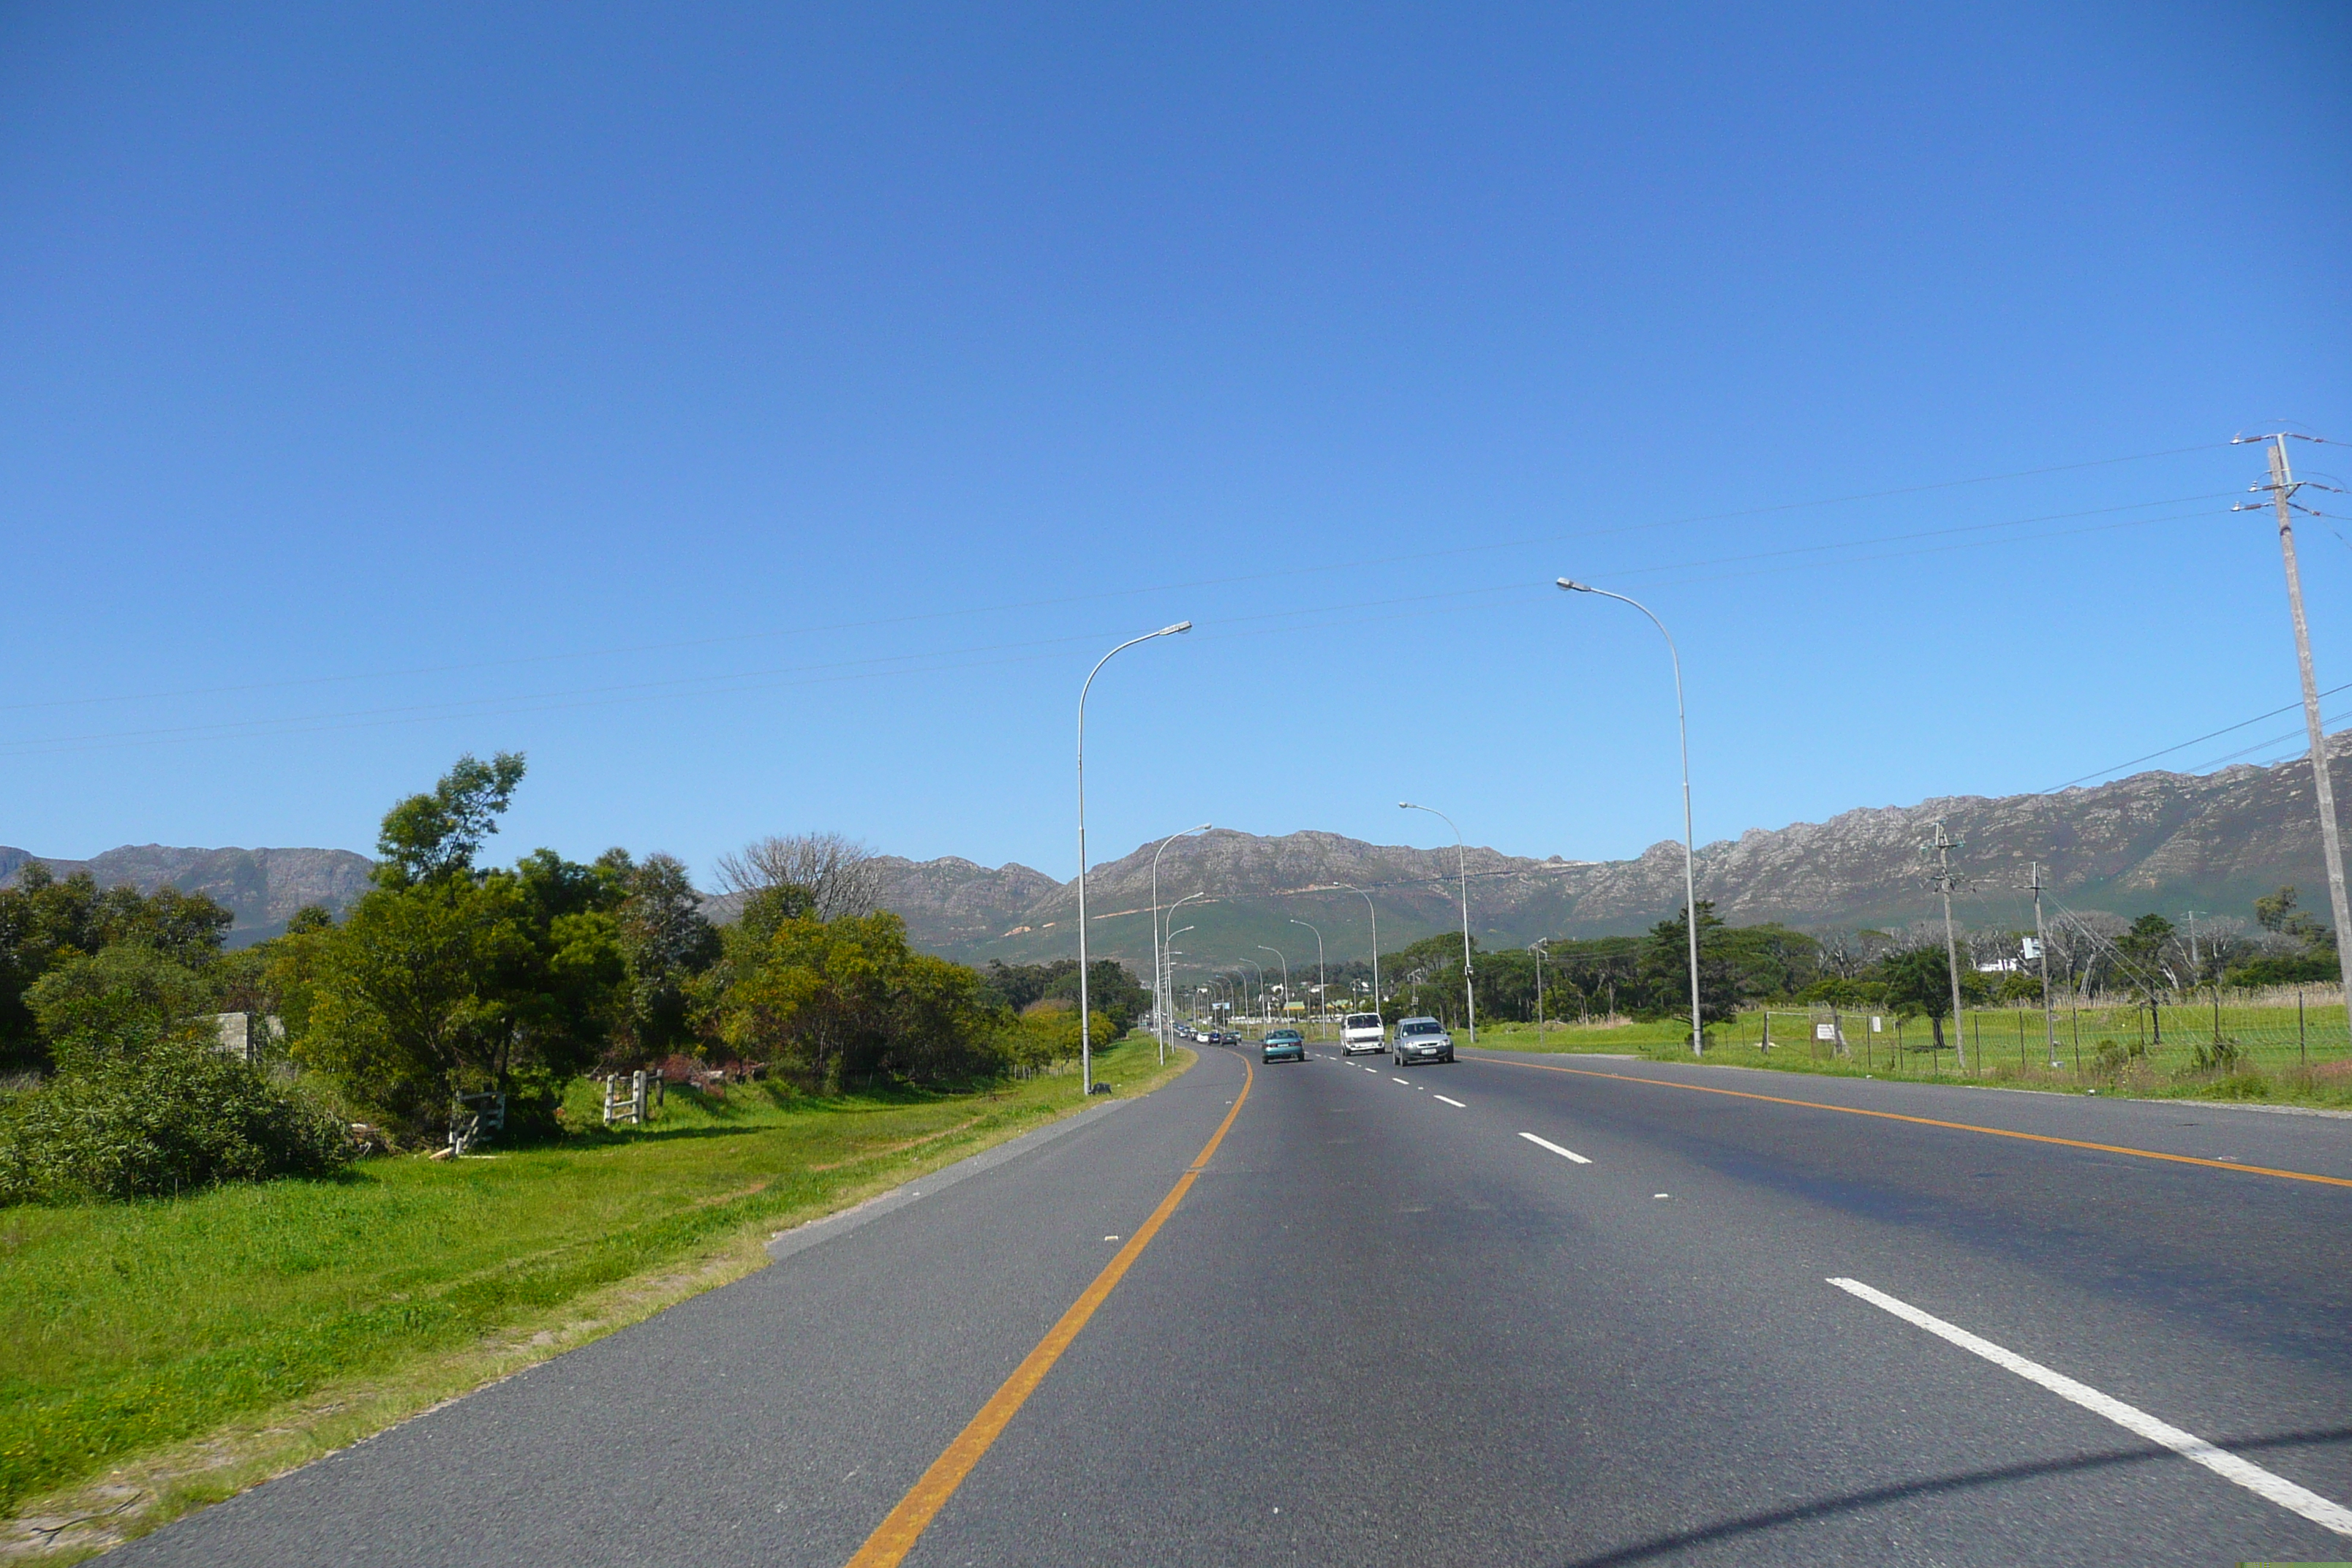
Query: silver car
{"x": 1422, "y": 1040}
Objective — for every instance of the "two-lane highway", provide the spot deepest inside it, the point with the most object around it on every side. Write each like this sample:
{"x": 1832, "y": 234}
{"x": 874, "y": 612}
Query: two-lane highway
{"x": 1565, "y": 1311}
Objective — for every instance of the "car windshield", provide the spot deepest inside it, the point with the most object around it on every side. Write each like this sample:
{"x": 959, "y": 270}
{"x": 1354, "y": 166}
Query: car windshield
{"x": 1425, "y": 1027}
{"x": 1363, "y": 1020}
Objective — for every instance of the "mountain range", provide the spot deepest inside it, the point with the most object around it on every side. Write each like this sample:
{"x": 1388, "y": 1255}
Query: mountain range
{"x": 2155, "y": 841}
{"x": 260, "y": 888}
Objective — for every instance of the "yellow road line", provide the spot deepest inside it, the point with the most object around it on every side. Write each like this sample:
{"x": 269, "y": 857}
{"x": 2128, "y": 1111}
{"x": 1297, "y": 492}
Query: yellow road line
{"x": 1928, "y": 1122}
{"x": 895, "y": 1535}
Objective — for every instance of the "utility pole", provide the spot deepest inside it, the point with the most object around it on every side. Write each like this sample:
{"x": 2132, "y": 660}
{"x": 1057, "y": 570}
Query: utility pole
{"x": 2281, "y": 488}
{"x": 1539, "y": 946}
{"x": 2042, "y": 949}
{"x": 1941, "y": 876}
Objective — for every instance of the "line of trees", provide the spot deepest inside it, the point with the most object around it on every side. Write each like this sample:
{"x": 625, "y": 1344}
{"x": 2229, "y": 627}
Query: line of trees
{"x": 451, "y": 976}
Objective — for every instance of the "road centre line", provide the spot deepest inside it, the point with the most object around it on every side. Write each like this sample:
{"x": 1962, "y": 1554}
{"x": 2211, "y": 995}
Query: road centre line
{"x": 1450, "y": 1100}
{"x": 1932, "y": 1121}
{"x": 904, "y": 1525}
{"x": 2263, "y": 1483}
{"x": 1547, "y": 1144}
{"x": 1407, "y": 1085}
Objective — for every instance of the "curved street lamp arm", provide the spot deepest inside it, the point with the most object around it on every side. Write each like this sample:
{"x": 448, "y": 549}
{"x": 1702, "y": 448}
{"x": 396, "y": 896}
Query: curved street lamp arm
{"x": 1086, "y": 1023}
{"x": 1682, "y": 726}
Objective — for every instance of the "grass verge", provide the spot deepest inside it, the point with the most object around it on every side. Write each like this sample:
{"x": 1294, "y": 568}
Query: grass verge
{"x": 165, "y": 1354}
{"x": 2320, "y": 1084}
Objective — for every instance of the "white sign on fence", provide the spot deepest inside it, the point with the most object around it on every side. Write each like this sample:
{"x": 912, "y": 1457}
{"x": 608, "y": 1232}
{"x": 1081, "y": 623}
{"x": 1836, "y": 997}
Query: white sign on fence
{"x": 1825, "y": 1032}
{"x": 1877, "y": 1024}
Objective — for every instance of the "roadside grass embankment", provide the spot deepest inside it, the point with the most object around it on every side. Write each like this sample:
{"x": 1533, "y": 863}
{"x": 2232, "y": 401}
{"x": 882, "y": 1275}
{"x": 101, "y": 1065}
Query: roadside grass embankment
{"x": 166, "y": 1354}
{"x": 2274, "y": 1055}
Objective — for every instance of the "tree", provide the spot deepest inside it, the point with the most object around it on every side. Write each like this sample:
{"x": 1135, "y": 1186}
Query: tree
{"x": 45, "y": 922}
{"x": 1918, "y": 983}
{"x": 448, "y": 980}
{"x": 666, "y": 941}
{"x": 1664, "y": 974}
{"x": 840, "y": 874}
{"x": 828, "y": 1001}
{"x": 436, "y": 835}
{"x": 120, "y": 1002}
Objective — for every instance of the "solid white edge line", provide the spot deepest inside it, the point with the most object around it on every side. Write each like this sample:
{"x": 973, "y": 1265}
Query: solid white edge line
{"x": 1450, "y": 1100}
{"x": 1547, "y": 1144}
{"x": 2188, "y": 1445}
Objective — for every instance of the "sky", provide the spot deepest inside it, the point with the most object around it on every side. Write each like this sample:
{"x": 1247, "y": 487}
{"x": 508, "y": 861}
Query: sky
{"x": 763, "y": 417}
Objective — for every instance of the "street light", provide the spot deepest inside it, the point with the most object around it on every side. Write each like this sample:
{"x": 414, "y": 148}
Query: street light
{"x": 1159, "y": 997}
{"x": 1085, "y": 1022}
{"x": 1253, "y": 964}
{"x": 1376, "y": 948}
{"x": 1171, "y": 915}
{"x": 1285, "y": 978}
{"x": 1320, "y": 1006}
{"x": 1690, "y": 874}
{"x": 1469, "y": 995}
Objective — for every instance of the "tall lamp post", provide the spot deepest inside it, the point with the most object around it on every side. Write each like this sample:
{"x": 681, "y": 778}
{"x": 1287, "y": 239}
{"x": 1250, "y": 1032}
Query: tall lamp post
{"x": 1159, "y": 997}
{"x": 1285, "y": 978}
{"x": 1376, "y": 945}
{"x": 1253, "y": 964}
{"x": 1085, "y": 1017}
{"x": 1690, "y": 874}
{"x": 1159, "y": 941}
{"x": 1319, "y": 1004}
{"x": 1469, "y": 993}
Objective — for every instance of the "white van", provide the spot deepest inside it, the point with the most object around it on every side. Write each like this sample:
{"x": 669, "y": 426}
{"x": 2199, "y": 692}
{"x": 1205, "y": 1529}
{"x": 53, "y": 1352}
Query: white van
{"x": 1361, "y": 1032}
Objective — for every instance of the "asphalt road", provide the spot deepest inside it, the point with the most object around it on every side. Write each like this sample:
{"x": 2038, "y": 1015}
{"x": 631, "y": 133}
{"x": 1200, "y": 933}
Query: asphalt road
{"x": 1385, "y": 1327}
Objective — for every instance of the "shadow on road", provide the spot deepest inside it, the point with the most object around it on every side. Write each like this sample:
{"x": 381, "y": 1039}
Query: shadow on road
{"x": 1851, "y": 1502}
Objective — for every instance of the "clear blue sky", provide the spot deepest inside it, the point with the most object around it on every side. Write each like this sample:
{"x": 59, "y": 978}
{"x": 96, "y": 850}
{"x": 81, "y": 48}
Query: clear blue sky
{"x": 762, "y": 416}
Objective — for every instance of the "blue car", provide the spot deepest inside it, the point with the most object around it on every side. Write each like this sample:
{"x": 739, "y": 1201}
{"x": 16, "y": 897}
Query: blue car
{"x": 1284, "y": 1045}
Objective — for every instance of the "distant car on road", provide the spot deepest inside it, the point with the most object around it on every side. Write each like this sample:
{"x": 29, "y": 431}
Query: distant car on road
{"x": 1422, "y": 1040}
{"x": 1284, "y": 1045}
{"x": 1361, "y": 1032}
{"x": 1225, "y": 1038}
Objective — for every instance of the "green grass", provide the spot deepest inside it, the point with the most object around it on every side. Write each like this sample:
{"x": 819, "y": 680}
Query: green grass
{"x": 134, "y": 1327}
{"x": 2278, "y": 1062}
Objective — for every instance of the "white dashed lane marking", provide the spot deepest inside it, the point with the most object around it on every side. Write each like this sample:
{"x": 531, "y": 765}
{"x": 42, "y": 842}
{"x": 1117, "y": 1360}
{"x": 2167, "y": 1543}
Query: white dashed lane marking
{"x": 1547, "y": 1144}
{"x": 1456, "y": 1103}
{"x": 2263, "y": 1483}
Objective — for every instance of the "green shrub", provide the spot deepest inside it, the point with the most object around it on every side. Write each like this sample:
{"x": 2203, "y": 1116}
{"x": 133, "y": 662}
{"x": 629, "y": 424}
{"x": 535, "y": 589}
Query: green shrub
{"x": 170, "y": 1120}
{"x": 2216, "y": 1056}
{"x": 2109, "y": 1056}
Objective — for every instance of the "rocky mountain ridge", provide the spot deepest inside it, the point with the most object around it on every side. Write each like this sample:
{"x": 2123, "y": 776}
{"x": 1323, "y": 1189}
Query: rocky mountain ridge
{"x": 261, "y": 888}
{"x": 2160, "y": 841}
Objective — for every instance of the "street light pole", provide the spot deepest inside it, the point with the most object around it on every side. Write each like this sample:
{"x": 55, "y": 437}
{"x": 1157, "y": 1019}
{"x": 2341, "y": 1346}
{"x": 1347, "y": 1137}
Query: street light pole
{"x": 1320, "y": 1006}
{"x": 1690, "y": 873}
{"x": 1085, "y": 1021}
{"x": 1376, "y": 948}
{"x": 1253, "y": 964}
{"x": 1158, "y": 996}
{"x": 1172, "y": 916}
{"x": 1469, "y": 993}
{"x": 1285, "y": 978}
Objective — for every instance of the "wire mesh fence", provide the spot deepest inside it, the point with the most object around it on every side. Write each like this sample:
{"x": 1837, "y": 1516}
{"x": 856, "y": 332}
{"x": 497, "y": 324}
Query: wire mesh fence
{"x": 2211, "y": 1030}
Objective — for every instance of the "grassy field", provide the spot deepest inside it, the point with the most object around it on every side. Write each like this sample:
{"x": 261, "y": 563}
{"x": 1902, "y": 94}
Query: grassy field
{"x": 165, "y": 1354}
{"x": 2279, "y": 1058}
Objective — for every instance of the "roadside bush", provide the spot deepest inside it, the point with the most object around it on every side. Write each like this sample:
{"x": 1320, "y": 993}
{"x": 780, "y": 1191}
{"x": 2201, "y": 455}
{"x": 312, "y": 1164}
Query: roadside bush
{"x": 2110, "y": 1058}
{"x": 2216, "y": 1056}
{"x": 170, "y": 1120}
{"x": 122, "y": 1001}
